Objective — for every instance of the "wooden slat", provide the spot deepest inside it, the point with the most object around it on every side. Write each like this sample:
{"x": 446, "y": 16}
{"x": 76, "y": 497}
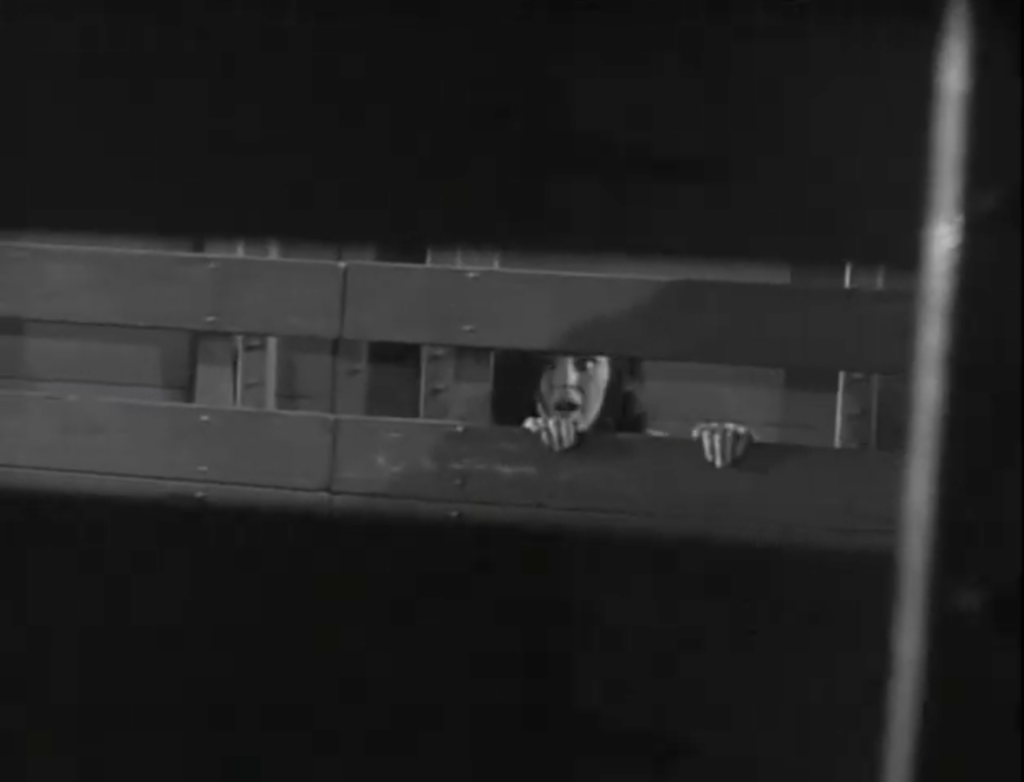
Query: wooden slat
{"x": 170, "y": 290}
{"x": 817, "y": 492}
{"x": 362, "y": 507}
{"x": 45, "y": 352}
{"x": 177, "y": 442}
{"x": 214, "y": 378}
{"x": 104, "y": 286}
{"x": 630, "y": 524}
{"x": 455, "y": 383}
{"x": 279, "y": 297}
{"x": 192, "y": 493}
{"x": 94, "y": 390}
{"x": 668, "y": 320}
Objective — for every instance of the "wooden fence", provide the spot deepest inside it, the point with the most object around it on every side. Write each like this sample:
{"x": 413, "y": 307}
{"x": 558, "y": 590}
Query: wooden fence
{"x": 212, "y": 452}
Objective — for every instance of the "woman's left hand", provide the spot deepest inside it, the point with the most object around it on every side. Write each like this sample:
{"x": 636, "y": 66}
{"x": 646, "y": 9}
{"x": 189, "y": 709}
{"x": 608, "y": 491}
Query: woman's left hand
{"x": 723, "y": 442}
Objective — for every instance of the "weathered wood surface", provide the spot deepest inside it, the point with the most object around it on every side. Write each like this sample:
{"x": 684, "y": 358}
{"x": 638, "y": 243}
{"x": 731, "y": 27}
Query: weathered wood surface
{"x": 188, "y": 493}
{"x": 669, "y": 320}
{"x": 841, "y": 498}
{"x": 170, "y": 290}
{"x": 796, "y": 491}
{"x": 179, "y": 442}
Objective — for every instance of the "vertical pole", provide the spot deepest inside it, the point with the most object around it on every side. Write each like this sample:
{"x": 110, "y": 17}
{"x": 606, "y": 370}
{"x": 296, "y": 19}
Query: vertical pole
{"x": 942, "y": 245}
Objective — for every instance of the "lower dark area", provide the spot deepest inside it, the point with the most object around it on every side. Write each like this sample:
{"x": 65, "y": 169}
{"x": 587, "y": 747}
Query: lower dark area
{"x": 162, "y": 643}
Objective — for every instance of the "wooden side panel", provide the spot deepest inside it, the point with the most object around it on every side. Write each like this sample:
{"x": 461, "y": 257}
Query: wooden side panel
{"x": 193, "y": 493}
{"x": 817, "y": 491}
{"x": 178, "y": 442}
{"x": 455, "y": 383}
{"x": 120, "y": 241}
{"x": 104, "y": 286}
{"x": 669, "y": 320}
{"x": 214, "y": 378}
{"x": 170, "y": 290}
{"x": 279, "y": 297}
{"x": 59, "y": 352}
{"x": 306, "y": 364}
{"x": 95, "y": 390}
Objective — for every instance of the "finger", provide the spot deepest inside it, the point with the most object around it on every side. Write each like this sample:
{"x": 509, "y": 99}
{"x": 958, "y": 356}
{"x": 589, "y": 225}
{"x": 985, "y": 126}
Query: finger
{"x": 570, "y": 434}
{"x": 707, "y": 440}
{"x": 742, "y": 441}
{"x": 717, "y": 438}
{"x": 546, "y": 435}
{"x": 567, "y": 433}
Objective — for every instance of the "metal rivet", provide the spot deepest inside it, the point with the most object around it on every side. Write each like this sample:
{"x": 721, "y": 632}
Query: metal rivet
{"x": 460, "y": 429}
{"x": 200, "y": 495}
{"x": 203, "y": 468}
{"x": 211, "y": 318}
{"x": 460, "y": 481}
{"x": 473, "y": 275}
{"x": 454, "y": 514}
{"x": 204, "y": 418}
{"x": 469, "y": 328}
{"x": 214, "y": 264}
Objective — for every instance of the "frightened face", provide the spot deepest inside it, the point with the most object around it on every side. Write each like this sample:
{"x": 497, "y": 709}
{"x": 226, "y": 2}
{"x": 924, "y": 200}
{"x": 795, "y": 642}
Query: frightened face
{"x": 573, "y": 388}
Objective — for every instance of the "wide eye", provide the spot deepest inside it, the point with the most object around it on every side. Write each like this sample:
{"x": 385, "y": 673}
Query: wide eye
{"x": 585, "y": 364}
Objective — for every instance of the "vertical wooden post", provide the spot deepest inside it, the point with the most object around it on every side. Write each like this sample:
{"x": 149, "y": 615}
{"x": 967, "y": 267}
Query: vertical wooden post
{"x": 238, "y": 370}
{"x": 351, "y": 357}
{"x": 256, "y": 372}
{"x": 455, "y": 383}
{"x": 214, "y": 378}
{"x": 857, "y": 398}
{"x": 929, "y": 504}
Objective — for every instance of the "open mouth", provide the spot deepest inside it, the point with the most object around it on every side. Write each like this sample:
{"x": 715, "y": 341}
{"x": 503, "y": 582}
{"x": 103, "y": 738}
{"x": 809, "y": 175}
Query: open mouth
{"x": 566, "y": 406}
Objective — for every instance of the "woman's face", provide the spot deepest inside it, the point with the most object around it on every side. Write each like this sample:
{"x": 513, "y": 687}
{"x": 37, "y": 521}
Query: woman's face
{"x": 573, "y": 388}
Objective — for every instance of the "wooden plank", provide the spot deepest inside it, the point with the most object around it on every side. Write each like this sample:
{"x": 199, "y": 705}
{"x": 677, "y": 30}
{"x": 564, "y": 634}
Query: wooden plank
{"x": 305, "y": 374}
{"x": 351, "y": 365}
{"x": 363, "y": 508}
{"x": 177, "y": 442}
{"x": 191, "y": 493}
{"x": 279, "y": 297}
{"x": 784, "y": 487}
{"x": 64, "y": 352}
{"x": 214, "y": 379}
{"x": 104, "y": 286}
{"x": 120, "y": 241}
{"x": 628, "y": 524}
{"x": 94, "y": 390}
{"x": 668, "y": 320}
{"x": 455, "y": 383}
{"x": 170, "y": 290}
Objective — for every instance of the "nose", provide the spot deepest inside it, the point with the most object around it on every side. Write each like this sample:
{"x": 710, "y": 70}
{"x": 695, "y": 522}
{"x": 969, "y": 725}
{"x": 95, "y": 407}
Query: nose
{"x": 566, "y": 374}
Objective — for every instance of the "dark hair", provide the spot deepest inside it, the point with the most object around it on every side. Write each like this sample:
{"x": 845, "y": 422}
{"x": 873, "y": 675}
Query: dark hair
{"x": 517, "y": 377}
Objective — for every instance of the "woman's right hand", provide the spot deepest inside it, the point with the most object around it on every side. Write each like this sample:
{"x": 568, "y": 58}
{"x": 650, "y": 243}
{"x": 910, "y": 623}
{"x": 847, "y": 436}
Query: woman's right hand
{"x": 558, "y": 434}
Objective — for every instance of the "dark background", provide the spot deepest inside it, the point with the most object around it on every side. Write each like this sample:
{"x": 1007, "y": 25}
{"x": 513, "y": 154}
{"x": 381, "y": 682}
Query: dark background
{"x": 157, "y": 643}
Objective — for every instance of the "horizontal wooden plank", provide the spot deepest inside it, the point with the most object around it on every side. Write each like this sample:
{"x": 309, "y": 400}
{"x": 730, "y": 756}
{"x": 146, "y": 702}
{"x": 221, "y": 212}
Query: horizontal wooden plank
{"x": 104, "y": 286}
{"x": 94, "y": 390}
{"x": 179, "y": 442}
{"x": 188, "y": 493}
{"x": 278, "y": 297}
{"x": 629, "y": 524}
{"x": 170, "y": 290}
{"x": 193, "y": 494}
{"x": 790, "y": 490}
{"x": 754, "y": 325}
{"x": 80, "y": 353}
